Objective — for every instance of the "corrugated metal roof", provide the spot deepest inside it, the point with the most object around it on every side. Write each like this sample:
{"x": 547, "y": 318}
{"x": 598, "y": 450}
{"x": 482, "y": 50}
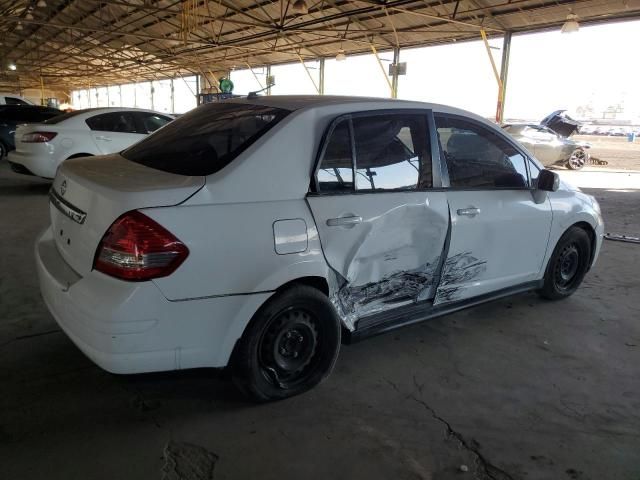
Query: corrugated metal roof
{"x": 74, "y": 43}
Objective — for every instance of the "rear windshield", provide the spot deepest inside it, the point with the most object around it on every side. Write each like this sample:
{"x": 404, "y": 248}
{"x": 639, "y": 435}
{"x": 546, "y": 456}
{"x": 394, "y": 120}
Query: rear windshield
{"x": 206, "y": 139}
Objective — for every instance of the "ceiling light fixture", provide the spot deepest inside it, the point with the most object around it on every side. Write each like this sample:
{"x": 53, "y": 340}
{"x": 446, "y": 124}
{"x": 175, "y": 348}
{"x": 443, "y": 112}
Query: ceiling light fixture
{"x": 300, "y": 6}
{"x": 28, "y": 16}
{"x": 12, "y": 66}
{"x": 41, "y": 4}
{"x": 571, "y": 25}
{"x": 341, "y": 57}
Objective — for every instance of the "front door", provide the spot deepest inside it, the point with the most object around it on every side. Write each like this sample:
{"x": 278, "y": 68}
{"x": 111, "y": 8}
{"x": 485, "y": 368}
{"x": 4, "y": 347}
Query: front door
{"x": 382, "y": 234}
{"x": 499, "y": 233}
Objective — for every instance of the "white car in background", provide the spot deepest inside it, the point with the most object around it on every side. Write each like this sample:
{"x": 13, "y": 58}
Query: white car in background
{"x": 41, "y": 147}
{"x": 254, "y": 233}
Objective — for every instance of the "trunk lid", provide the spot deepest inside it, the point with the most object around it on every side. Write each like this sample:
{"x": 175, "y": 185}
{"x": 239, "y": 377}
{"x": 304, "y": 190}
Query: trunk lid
{"x": 88, "y": 194}
{"x": 34, "y": 148}
{"x": 561, "y": 123}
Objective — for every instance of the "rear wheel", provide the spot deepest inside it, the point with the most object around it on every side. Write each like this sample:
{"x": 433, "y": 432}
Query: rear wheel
{"x": 568, "y": 264}
{"x": 289, "y": 347}
{"x": 578, "y": 159}
{"x": 3, "y": 150}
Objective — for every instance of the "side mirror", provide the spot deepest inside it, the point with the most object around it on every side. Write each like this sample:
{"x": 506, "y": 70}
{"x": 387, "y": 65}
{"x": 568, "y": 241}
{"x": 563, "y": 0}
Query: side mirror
{"x": 548, "y": 181}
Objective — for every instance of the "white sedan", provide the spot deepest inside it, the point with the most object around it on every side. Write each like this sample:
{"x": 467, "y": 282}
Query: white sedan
{"x": 255, "y": 233}
{"x": 41, "y": 147}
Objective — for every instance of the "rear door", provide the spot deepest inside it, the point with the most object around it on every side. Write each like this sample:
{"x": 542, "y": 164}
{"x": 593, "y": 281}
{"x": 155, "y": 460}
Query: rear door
{"x": 114, "y": 131}
{"x": 382, "y": 226}
{"x": 499, "y": 232}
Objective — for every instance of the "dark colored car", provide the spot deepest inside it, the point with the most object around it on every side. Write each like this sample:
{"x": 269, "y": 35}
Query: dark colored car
{"x": 12, "y": 115}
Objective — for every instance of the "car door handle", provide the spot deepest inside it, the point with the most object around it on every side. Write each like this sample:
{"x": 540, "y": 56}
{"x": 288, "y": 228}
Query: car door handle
{"x": 344, "y": 221}
{"x": 104, "y": 138}
{"x": 469, "y": 212}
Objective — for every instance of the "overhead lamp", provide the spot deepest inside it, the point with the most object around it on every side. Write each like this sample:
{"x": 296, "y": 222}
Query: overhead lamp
{"x": 571, "y": 25}
{"x": 28, "y": 16}
{"x": 300, "y": 6}
{"x": 12, "y": 66}
{"x": 19, "y": 26}
{"x": 41, "y": 4}
{"x": 341, "y": 57}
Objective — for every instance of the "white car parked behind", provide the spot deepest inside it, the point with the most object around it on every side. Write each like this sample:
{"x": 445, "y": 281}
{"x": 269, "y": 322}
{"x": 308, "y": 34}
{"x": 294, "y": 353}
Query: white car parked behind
{"x": 256, "y": 232}
{"x": 41, "y": 147}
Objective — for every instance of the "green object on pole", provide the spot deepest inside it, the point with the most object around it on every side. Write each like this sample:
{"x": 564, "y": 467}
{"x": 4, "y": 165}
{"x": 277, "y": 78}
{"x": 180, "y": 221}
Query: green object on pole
{"x": 226, "y": 85}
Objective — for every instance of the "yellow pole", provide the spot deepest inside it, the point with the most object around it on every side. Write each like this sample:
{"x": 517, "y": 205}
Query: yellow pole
{"x": 497, "y": 75}
{"x": 384, "y": 72}
{"x": 306, "y": 69}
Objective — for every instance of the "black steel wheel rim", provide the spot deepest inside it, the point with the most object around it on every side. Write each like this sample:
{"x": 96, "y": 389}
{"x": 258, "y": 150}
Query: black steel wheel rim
{"x": 287, "y": 353}
{"x": 567, "y": 267}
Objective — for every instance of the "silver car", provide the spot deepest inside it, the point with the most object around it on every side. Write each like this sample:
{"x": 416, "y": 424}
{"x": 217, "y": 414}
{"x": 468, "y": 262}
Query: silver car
{"x": 549, "y": 147}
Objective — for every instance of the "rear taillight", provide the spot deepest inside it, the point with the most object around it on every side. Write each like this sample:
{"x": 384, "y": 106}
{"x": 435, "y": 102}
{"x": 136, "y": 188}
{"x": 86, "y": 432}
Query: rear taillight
{"x": 136, "y": 248}
{"x": 38, "y": 137}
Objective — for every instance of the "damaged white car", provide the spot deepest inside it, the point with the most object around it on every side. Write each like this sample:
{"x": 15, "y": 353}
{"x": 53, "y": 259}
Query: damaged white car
{"x": 259, "y": 233}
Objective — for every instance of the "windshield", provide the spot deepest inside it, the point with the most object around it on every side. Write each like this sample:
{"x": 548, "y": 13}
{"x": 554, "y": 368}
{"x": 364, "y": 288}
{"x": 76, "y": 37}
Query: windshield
{"x": 206, "y": 139}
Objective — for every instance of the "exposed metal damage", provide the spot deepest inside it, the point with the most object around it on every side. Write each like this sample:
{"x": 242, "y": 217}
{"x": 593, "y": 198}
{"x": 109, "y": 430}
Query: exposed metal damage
{"x": 457, "y": 270}
{"x": 393, "y": 290}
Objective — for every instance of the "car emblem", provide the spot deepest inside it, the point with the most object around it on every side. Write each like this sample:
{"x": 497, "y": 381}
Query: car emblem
{"x": 63, "y": 187}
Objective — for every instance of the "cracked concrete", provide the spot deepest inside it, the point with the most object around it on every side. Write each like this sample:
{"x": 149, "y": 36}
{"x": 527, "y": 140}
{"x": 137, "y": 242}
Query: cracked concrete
{"x": 517, "y": 389}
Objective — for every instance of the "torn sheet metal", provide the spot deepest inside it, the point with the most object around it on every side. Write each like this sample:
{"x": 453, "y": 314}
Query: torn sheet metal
{"x": 393, "y": 290}
{"x": 457, "y": 271}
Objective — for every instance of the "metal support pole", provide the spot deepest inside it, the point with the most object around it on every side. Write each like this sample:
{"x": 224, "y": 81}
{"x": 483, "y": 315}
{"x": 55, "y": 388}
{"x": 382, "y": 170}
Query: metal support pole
{"x": 268, "y": 84}
{"x": 321, "y": 76}
{"x": 483, "y": 34}
{"x": 384, "y": 72}
{"x": 504, "y": 75}
{"x": 306, "y": 69}
{"x": 173, "y": 99}
{"x": 394, "y": 78}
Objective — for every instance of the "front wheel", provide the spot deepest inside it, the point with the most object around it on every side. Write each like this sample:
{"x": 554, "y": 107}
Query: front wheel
{"x": 578, "y": 159}
{"x": 289, "y": 347}
{"x": 568, "y": 264}
{"x": 3, "y": 150}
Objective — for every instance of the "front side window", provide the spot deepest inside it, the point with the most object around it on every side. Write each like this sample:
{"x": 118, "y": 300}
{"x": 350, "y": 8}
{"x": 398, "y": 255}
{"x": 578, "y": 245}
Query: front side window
{"x": 335, "y": 174}
{"x": 392, "y": 152}
{"x": 206, "y": 139}
{"x": 477, "y": 157}
{"x": 120, "y": 122}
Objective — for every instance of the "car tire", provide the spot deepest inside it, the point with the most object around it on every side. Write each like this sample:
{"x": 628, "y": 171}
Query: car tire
{"x": 289, "y": 347}
{"x": 578, "y": 159}
{"x": 568, "y": 265}
{"x": 3, "y": 150}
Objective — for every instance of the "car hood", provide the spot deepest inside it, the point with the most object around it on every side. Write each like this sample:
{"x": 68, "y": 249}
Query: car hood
{"x": 561, "y": 123}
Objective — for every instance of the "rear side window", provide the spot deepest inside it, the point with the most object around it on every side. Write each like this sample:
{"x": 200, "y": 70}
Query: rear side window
{"x": 392, "y": 152}
{"x": 121, "y": 122}
{"x": 150, "y": 122}
{"x": 478, "y": 157}
{"x": 206, "y": 139}
{"x": 335, "y": 174}
{"x": 14, "y": 101}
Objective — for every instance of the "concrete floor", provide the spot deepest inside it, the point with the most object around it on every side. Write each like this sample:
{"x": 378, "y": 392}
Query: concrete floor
{"x": 517, "y": 389}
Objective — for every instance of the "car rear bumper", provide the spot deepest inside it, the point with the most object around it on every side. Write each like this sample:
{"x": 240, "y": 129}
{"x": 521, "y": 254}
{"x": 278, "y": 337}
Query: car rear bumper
{"x": 128, "y": 327}
{"x": 32, "y": 165}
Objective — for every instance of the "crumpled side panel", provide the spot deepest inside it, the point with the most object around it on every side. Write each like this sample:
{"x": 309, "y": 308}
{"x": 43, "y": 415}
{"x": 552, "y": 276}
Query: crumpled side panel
{"x": 393, "y": 290}
{"x": 458, "y": 270}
